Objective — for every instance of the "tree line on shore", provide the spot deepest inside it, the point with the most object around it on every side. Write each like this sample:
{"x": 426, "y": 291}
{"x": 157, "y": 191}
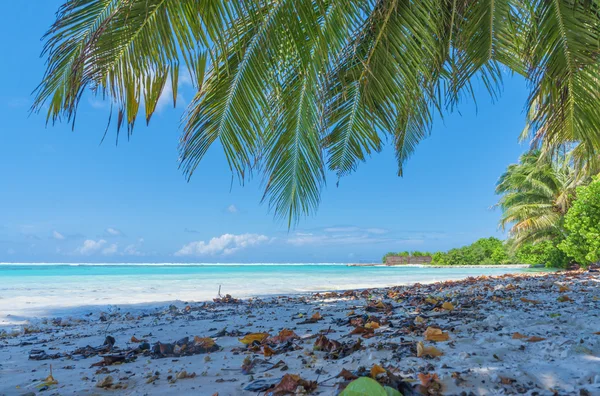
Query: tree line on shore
{"x": 551, "y": 209}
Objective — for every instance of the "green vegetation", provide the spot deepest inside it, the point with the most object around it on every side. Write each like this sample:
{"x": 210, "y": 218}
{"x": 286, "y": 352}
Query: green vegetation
{"x": 492, "y": 251}
{"x": 293, "y": 89}
{"x": 544, "y": 252}
{"x": 552, "y": 211}
{"x": 483, "y": 251}
{"x": 536, "y": 194}
{"x": 583, "y": 225}
{"x": 405, "y": 253}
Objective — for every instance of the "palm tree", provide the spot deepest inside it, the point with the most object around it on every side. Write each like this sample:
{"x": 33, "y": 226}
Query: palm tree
{"x": 536, "y": 194}
{"x": 294, "y": 88}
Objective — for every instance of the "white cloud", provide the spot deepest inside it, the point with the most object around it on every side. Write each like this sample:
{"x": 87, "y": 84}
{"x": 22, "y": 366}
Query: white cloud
{"x": 341, "y": 229}
{"x": 376, "y": 230}
{"x": 223, "y": 245}
{"x": 113, "y": 231}
{"x": 110, "y": 250}
{"x": 356, "y": 238}
{"x": 90, "y": 247}
{"x": 57, "y": 235}
{"x": 232, "y": 209}
{"x": 132, "y": 250}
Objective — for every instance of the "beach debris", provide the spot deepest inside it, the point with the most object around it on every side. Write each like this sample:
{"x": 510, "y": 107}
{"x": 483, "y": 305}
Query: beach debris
{"x": 430, "y": 384}
{"x": 224, "y": 333}
{"x": 448, "y": 306}
{"x": 184, "y": 347}
{"x": 432, "y": 351}
{"x": 526, "y": 300}
{"x": 110, "y": 359}
{"x": 252, "y": 338}
{"x": 184, "y": 374}
{"x": 284, "y": 335}
{"x": 257, "y": 365}
{"x": 292, "y": 384}
{"x": 48, "y": 381}
{"x": 105, "y": 382}
{"x": 313, "y": 319}
{"x": 372, "y": 325}
{"x": 564, "y": 298}
{"x": 226, "y": 300}
{"x": 376, "y": 370}
{"x": 435, "y": 334}
{"x": 347, "y": 375}
{"x": 535, "y": 339}
{"x": 137, "y": 341}
{"x": 518, "y": 336}
{"x": 262, "y": 384}
{"x": 204, "y": 342}
{"x": 40, "y": 354}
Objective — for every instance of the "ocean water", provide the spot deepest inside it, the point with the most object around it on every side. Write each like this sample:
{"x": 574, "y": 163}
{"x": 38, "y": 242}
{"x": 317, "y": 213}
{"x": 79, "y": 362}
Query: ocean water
{"x": 43, "y": 290}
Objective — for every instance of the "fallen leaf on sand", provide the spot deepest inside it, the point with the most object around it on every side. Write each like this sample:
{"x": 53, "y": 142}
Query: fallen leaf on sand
{"x": 254, "y": 337}
{"x": 136, "y": 340}
{"x": 372, "y": 325}
{"x": 184, "y": 374}
{"x": 507, "y": 381}
{"x": 284, "y": 336}
{"x": 204, "y": 342}
{"x": 428, "y": 379}
{"x": 526, "y": 300}
{"x": 347, "y": 375}
{"x": 535, "y": 339}
{"x": 518, "y": 336}
{"x": 325, "y": 344}
{"x": 448, "y": 305}
{"x": 289, "y": 385}
{"x": 431, "y": 300}
{"x": 563, "y": 288}
{"x": 268, "y": 351}
{"x": 435, "y": 334}
{"x": 316, "y": 316}
{"x": 564, "y": 298}
{"x": 419, "y": 319}
{"x": 365, "y": 332}
{"x": 106, "y": 382}
{"x": 376, "y": 370}
{"x": 432, "y": 351}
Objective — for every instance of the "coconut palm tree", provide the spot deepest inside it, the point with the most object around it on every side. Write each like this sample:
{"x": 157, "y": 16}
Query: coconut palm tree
{"x": 294, "y": 88}
{"x": 536, "y": 194}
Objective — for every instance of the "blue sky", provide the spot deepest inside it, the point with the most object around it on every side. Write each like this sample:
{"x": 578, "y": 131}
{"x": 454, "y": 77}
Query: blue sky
{"x": 64, "y": 197}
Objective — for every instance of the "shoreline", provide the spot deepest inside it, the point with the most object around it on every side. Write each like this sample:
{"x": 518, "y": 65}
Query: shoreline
{"x": 516, "y": 266}
{"x": 481, "y": 355}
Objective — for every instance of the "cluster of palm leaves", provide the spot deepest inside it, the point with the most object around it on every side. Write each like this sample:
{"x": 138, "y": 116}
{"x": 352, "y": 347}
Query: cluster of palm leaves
{"x": 294, "y": 88}
{"x": 536, "y": 194}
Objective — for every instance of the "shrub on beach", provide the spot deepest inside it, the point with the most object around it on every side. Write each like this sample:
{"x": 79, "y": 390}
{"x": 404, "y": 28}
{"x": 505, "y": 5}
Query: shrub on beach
{"x": 545, "y": 252}
{"x": 483, "y": 251}
{"x": 582, "y": 223}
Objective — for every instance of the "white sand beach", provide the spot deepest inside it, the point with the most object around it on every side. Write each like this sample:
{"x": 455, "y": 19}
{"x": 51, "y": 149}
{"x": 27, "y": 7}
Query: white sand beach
{"x": 529, "y": 334}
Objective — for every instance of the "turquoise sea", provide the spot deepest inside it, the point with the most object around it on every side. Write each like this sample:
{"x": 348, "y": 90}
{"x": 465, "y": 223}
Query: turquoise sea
{"x": 34, "y": 290}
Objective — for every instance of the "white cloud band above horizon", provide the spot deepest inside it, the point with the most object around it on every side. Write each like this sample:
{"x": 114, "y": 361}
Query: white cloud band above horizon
{"x": 225, "y": 244}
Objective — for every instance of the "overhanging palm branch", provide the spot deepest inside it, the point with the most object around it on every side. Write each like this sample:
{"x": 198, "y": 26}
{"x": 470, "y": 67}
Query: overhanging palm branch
{"x": 293, "y": 87}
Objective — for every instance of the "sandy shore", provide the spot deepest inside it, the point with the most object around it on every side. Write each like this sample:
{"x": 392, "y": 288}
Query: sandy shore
{"x": 531, "y": 334}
